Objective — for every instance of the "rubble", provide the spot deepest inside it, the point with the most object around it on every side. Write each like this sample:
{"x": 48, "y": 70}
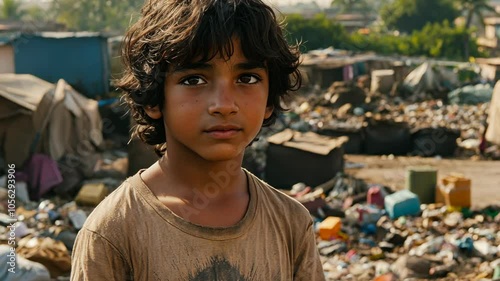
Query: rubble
{"x": 427, "y": 127}
{"x": 434, "y": 241}
{"x": 46, "y": 224}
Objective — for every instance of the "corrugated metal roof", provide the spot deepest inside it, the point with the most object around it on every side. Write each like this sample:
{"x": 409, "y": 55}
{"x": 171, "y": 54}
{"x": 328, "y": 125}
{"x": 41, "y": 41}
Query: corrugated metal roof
{"x": 60, "y": 35}
{"x": 325, "y": 61}
{"x": 8, "y": 37}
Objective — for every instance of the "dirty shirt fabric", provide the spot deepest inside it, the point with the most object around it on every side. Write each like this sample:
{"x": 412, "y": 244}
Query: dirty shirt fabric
{"x": 131, "y": 235}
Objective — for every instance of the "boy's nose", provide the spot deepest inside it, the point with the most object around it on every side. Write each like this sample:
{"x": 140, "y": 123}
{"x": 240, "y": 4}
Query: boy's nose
{"x": 223, "y": 100}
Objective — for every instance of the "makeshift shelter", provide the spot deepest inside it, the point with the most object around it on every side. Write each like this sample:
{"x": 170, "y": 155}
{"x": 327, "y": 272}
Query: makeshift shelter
{"x": 82, "y": 58}
{"x": 321, "y": 68}
{"x": 428, "y": 78}
{"x": 493, "y": 132}
{"x": 37, "y": 116}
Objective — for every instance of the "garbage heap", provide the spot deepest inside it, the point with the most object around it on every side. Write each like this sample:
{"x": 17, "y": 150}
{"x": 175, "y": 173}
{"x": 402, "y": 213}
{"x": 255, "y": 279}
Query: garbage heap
{"x": 382, "y": 124}
{"x": 367, "y": 232}
{"x": 44, "y": 230}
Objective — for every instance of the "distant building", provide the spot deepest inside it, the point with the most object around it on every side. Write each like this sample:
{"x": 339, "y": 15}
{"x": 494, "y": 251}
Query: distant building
{"x": 491, "y": 37}
{"x": 489, "y": 34}
{"x": 350, "y": 21}
{"x": 355, "y": 22}
{"x": 307, "y": 10}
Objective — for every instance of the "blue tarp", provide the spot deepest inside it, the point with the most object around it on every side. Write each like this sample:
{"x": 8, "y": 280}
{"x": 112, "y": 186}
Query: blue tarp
{"x": 480, "y": 93}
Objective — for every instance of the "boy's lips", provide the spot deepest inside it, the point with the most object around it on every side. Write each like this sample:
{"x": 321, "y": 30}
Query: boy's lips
{"x": 223, "y": 131}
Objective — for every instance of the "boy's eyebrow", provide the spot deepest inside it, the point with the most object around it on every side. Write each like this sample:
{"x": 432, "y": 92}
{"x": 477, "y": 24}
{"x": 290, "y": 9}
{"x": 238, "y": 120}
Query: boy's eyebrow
{"x": 251, "y": 65}
{"x": 248, "y": 65}
{"x": 193, "y": 65}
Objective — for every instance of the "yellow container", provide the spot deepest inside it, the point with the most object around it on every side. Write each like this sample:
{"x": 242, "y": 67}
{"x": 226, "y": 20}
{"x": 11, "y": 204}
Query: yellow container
{"x": 330, "y": 227}
{"x": 91, "y": 194}
{"x": 454, "y": 190}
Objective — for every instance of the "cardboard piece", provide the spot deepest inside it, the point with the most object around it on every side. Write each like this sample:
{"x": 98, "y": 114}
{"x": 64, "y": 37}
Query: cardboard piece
{"x": 91, "y": 194}
{"x": 310, "y": 158}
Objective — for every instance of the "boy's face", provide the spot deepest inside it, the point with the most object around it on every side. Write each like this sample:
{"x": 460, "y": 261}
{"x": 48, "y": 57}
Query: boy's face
{"x": 214, "y": 109}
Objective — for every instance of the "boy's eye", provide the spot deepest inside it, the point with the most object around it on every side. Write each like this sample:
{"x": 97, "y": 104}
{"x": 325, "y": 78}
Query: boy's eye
{"x": 249, "y": 79}
{"x": 193, "y": 80}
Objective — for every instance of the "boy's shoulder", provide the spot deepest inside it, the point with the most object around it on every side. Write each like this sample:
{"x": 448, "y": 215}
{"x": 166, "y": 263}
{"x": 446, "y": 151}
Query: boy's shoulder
{"x": 118, "y": 207}
{"x": 278, "y": 201}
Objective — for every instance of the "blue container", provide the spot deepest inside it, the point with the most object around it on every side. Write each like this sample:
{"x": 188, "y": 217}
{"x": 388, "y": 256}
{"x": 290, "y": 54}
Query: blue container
{"x": 402, "y": 203}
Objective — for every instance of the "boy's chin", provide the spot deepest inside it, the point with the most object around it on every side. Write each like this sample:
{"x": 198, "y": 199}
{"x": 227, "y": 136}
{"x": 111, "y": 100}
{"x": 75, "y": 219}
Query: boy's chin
{"x": 223, "y": 154}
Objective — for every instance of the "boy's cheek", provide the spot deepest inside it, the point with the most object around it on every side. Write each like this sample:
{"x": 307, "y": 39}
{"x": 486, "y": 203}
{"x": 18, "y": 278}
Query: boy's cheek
{"x": 269, "y": 112}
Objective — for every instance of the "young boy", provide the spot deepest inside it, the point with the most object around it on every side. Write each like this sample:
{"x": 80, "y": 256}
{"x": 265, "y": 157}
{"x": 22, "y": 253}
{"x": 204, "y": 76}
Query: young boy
{"x": 202, "y": 77}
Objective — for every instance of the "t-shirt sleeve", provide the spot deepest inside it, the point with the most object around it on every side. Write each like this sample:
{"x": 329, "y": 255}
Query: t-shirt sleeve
{"x": 94, "y": 258}
{"x": 307, "y": 263}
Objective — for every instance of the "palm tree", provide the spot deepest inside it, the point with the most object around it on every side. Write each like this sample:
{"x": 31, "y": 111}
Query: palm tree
{"x": 471, "y": 8}
{"x": 11, "y": 9}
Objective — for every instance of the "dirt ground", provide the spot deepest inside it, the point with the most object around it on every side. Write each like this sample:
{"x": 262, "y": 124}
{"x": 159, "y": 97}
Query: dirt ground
{"x": 391, "y": 171}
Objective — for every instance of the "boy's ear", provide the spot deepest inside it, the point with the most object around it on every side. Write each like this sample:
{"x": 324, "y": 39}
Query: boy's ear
{"x": 269, "y": 111}
{"x": 153, "y": 112}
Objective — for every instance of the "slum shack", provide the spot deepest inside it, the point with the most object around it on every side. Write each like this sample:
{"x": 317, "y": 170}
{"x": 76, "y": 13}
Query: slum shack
{"x": 42, "y": 123}
{"x": 80, "y": 58}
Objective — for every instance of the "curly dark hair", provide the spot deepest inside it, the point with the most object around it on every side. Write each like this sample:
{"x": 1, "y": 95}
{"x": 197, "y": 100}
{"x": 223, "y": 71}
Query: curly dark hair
{"x": 173, "y": 32}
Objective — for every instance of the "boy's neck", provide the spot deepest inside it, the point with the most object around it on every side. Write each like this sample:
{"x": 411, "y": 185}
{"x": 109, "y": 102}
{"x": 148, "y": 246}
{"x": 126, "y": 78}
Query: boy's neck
{"x": 213, "y": 194}
{"x": 217, "y": 179}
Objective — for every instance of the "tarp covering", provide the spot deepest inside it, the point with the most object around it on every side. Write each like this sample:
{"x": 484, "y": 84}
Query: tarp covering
{"x": 480, "y": 93}
{"x": 53, "y": 119}
{"x": 428, "y": 78}
{"x": 493, "y": 132}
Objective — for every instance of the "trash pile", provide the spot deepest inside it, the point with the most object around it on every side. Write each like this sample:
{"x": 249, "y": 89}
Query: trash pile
{"x": 446, "y": 126}
{"x": 44, "y": 230}
{"x": 367, "y": 232}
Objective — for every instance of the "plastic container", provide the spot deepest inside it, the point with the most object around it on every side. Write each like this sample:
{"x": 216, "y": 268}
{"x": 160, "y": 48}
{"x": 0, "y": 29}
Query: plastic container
{"x": 402, "y": 203}
{"x": 422, "y": 181}
{"x": 330, "y": 227}
{"x": 363, "y": 214}
{"x": 454, "y": 190}
{"x": 375, "y": 196}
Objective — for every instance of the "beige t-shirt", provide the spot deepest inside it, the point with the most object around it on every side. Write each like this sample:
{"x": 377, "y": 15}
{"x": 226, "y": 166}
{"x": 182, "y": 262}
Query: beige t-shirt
{"x": 131, "y": 235}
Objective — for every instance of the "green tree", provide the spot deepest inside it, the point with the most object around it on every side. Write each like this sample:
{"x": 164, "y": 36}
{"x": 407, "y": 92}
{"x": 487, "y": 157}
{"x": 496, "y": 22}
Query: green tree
{"x": 37, "y": 14}
{"x": 11, "y": 9}
{"x": 442, "y": 40}
{"x": 318, "y": 32}
{"x": 436, "y": 40}
{"x": 97, "y": 15}
{"x": 409, "y": 15}
{"x": 471, "y": 8}
{"x": 386, "y": 44}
